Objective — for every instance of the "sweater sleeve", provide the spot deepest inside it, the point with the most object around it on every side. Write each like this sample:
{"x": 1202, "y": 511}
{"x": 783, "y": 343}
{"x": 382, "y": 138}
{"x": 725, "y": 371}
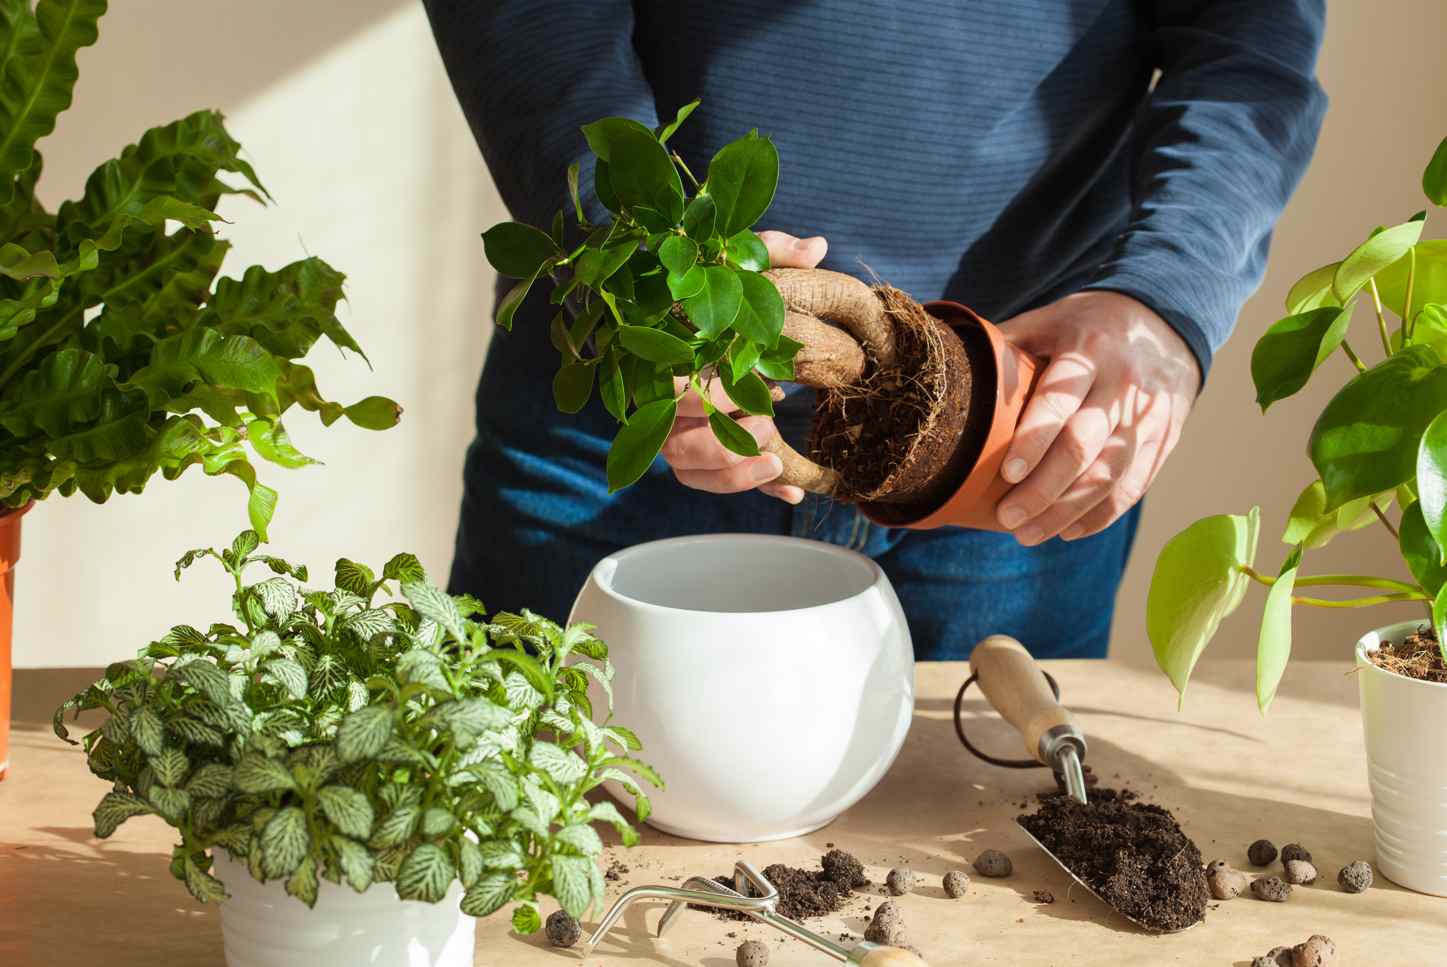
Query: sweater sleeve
{"x": 1223, "y": 140}
{"x": 528, "y": 76}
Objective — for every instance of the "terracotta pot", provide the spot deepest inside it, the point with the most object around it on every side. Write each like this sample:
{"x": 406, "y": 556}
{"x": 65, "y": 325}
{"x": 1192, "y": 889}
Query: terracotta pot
{"x": 974, "y": 500}
{"x": 9, "y": 556}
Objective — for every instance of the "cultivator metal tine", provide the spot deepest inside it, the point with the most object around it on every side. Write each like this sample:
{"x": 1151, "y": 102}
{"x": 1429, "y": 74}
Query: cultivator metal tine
{"x": 698, "y": 890}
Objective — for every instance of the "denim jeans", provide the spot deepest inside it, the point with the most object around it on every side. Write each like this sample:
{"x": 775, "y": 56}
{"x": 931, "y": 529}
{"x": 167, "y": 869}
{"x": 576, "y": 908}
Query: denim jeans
{"x": 536, "y": 516}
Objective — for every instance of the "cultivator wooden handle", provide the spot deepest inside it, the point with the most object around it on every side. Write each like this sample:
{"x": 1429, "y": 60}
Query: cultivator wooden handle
{"x": 889, "y": 957}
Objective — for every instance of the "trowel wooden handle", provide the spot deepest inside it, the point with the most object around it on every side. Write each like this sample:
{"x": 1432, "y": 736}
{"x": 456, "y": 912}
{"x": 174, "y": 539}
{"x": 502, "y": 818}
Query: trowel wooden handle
{"x": 891, "y": 957}
{"x": 1017, "y": 688}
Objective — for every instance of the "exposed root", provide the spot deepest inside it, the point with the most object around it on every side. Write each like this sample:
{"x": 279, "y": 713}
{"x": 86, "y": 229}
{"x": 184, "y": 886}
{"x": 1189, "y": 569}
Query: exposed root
{"x": 829, "y": 359}
{"x": 800, "y": 471}
{"x": 840, "y": 298}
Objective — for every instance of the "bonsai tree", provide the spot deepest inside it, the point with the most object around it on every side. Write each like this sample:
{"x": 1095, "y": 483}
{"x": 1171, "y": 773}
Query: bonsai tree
{"x": 1382, "y": 439}
{"x": 121, "y": 353}
{"x": 673, "y": 292}
{"x": 364, "y": 739}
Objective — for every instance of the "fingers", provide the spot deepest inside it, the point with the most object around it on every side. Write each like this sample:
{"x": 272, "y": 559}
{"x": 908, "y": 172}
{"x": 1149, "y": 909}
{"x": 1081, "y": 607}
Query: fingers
{"x": 701, "y": 462}
{"x": 787, "y": 493}
{"x": 789, "y": 252}
{"x": 689, "y": 405}
{"x": 1061, "y": 391}
{"x": 1077, "y": 445}
{"x": 1159, "y": 430}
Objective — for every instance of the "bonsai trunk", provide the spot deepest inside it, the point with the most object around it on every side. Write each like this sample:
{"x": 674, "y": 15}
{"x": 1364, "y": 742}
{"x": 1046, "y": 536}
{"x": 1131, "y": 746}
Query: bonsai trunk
{"x": 900, "y": 417}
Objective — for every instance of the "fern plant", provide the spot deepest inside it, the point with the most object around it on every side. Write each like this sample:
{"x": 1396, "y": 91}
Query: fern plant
{"x": 339, "y": 735}
{"x": 121, "y": 354}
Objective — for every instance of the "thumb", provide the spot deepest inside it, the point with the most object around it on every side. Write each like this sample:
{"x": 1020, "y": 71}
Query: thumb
{"x": 1029, "y": 329}
{"x": 791, "y": 252}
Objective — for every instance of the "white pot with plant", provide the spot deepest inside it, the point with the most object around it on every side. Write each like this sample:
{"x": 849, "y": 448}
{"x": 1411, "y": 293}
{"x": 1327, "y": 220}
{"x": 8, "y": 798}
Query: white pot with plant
{"x": 1382, "y": 439}
{"x": 331, "y": 742}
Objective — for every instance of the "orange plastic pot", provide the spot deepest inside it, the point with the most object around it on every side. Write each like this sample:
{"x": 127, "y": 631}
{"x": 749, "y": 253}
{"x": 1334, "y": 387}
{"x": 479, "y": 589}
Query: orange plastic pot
{"x": 9, "y": 555}
{"x": 974, "y": 500}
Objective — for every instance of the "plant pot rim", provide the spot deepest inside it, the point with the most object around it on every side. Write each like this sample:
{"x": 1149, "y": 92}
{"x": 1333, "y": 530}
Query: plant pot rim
{"x": 1373, "y": 639}
{"x": 15, "y": 513}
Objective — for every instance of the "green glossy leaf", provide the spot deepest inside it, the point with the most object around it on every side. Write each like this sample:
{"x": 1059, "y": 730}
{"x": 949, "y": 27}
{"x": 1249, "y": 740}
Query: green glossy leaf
{"x": 747, "y": 251}
{"x": 1313, "y": 290}
{"x": 59, "y": 396}
{"x": 678, "y": 254}
{"x": 596, "y": 265}
{"x": 201, "y": 884}
{"x": 699, "y": 218}
{"x": 518, "y": 250}
{"x": 272, "y": 442}
{"x": 374, "y": 413}
{"x": 742, "y": 178}
{"x": 715, "y": 306}
{"x": 689, "y": 284}
{"x": 1311, "y": 525}
{"x": 1291, "y": 350}
{"x": 654, "y": 345}
{"x": 572, "y": 386}
{"x": 666, "y": 132}
{"x": 204, "y": 355}
{"x": 508, "y": 306}
{"x": 1273, "y": 648}
{"x": 1434, "y": 177}
{"x": 639, "y": 441}
{"x": 733, "y": 436}
{"x": 778, "y": 363}
{"x": 1420, "y": 550}
{"x": 639, "y": 170}
{"x": 743, "y": 354}
{"x": 1429, "y": 281}
{"x": 751, "y": 393}
{"x": 761, "y": 314}
{"x": 286, "y": 310}
{"x": 1432, "y": 479}
{"x": 612, "y": 388}
{"x": 1372, "y": 256}
{"x": 1366, "y": 439}
{"x": 1198, "y": 582}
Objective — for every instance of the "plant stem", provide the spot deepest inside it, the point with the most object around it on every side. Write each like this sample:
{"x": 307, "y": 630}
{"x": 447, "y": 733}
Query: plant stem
{"x": 1407, "y": 326}
{"x": 1383, "y": 518}
{"x": 1381, "y": 319}
{"x": 1336, "y": 580}
{"x": 1351, "y": 354}
{"x": 1358, "y": 602}
{"x": 678, "y": 159}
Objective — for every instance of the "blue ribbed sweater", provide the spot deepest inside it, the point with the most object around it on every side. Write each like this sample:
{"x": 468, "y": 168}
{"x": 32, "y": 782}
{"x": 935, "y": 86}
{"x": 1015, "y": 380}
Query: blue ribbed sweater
{"x": 998, "y": 153}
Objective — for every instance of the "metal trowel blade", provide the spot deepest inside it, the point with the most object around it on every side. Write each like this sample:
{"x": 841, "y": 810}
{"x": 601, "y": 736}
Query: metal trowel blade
{"x": 1085, "y": 886}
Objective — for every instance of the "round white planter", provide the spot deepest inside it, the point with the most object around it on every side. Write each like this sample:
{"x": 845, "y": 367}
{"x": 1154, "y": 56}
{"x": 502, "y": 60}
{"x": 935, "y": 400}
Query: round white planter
{"x": 1405, "y": 722}
{"x": 771, "y": 679}
{"x": 263, "y": 927}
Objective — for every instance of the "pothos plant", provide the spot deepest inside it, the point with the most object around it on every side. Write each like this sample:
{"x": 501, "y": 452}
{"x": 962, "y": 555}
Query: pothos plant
{"x": 1382, "y": 439}
{"x": 121, "y": 353}
{"x": 350, "y": 736}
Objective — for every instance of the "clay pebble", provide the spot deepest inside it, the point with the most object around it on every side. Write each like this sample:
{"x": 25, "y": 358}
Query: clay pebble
{"x": 562, "y": 930}
{"x": 993, "y": 863}
{"x": 1225, "y": 883}
{"x": 1355, "y": 877}
{"x": 752, "y": 953}
{"x": 1261, "y": 853}
{"x": 1273, "y": 889}
{"x": 886, "y": 926}
{"x": 957, "y": 883}
{"x": 900, "y": 880}
{"x": 1294, "y": 851}
{"x": 887, "y": 912}
{"x": 1275, "y": 957}
{"x": 1300, "y": 872}
{"x": 1315, "y": 951}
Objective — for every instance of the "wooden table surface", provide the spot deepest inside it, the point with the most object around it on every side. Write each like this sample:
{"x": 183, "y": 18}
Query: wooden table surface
{"x": 1229, "y": 775}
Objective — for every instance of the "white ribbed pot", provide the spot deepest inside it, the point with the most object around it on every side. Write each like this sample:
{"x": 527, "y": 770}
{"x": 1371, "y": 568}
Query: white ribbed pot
{"x": 1405, "y": 723}
{"x": 263, "y": 927}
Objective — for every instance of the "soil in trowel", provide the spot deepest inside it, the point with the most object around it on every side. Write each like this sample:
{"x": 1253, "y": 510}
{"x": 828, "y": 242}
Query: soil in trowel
{"x": 806, "y": 893}
{"x": 1131, "y": 853}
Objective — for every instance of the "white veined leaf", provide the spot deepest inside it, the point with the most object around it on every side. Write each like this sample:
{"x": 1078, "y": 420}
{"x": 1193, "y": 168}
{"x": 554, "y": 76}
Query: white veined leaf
{"x": 264, "y": 643}
{"x": 357, "y": 695}
{"x": 396, "y": 828}
{"x": 500, "y": 855}
{"x": 245, "y": 542}
{"x": 210, "y": 781}
{"x": 114, "y": 809}
{"x": 603, "y": 676}
{"x": 348, "y": 809}
{"x": 425, "y": 874}
{"x": 592, "y": 735}
{"x": 596, "y": 887}
{"x": 203, "y": 885}
{"x": 170, "y": 767}
{"x": 423, "y": 667}
{"x": 558, "y": 723}
{"x": 207, "y": 679}
{"x": 405, "y": 568}
{"x": 302, "y": 883}
{"x": 580, "y": 837}
{"x": 497, "y": 740}
{"x": 387, "y": 862}
{"x": 605, "y": 811}
{"x": 562, "y": 765}
{"x": 526, "y": 919}
{"x": 355, "y": 861}
{"x": 489, "y": 894}
{"x": 284, "y": 842}
{"x": 436, "y": 821}
{"x": 500, "y": 784}
{"x": 469, "y": 861}
{"x": 278, "y": 597}
{"x": 544, "y": 803}
{"x": 329, "y": 674}
{"x": 288, "y": 674}
{"x": 257, "y": 774}
{"x": 369, "y": 623}
{"x": 235, "y": 839}
{"x": 363, "y": 733}
{"x": 528, "y": 819}
{"x": 436, "y": 604}
{"x": 520, "y": 692}
{"x": 354, "y": 577}
{"x": 192, "y": 732}
{"x": 148, "y": 731}
{"x": 473, "y": 716}
{"x": 623, "y": 737}
{"x": 571, "y": 883}
{"x": 170, "y": 803}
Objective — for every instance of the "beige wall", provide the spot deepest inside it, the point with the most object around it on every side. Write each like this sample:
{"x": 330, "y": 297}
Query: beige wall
{"x": 346, "y": 113}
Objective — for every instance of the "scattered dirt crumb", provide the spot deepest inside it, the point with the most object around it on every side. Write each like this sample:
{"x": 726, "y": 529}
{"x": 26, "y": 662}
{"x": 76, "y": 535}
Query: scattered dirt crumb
{"x": 1043, "y": 896}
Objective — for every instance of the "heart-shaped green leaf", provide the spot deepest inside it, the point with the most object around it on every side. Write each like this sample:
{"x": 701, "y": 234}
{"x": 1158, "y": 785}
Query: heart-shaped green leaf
{"x": 1312, "y": 525}
{"x": 639, "y": 441}
{"x": 715, "y": 306}
{"x": 742, "y": 178}
{"x": 1291, "y": 350}
{"x": 1365, "y": 440}
{"x": 1313, "y": 290}
{"x": 1198, "y": 582}
{"x": 1429, "y": 279}
{"x": 1373, "y": 255}
{"x": 1434, "y": 178}
{"x": 1273, "y": 648}
{"x": 1432, "y": 479}
{"x": 1420, "y": 550}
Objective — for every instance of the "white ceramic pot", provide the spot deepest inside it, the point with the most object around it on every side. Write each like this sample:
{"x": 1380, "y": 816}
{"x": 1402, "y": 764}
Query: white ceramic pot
{"x": 771, "y": 679}
{"x": 1405, "y": 722}
{"x": 263, "y": 927}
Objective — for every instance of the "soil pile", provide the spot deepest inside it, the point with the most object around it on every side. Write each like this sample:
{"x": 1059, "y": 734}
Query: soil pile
{"x": 1131, "y": 853}
{"x": 805, "y": 893}
{"x": 1416, "y": 657}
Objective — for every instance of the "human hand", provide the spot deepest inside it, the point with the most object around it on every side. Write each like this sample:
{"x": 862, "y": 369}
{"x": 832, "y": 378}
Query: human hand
{"x": 1106, "y": 413}
{"x": 697, "y": 458}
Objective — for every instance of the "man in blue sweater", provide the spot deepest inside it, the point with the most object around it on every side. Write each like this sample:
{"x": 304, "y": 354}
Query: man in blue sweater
{"x": 1024, "y": 158}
